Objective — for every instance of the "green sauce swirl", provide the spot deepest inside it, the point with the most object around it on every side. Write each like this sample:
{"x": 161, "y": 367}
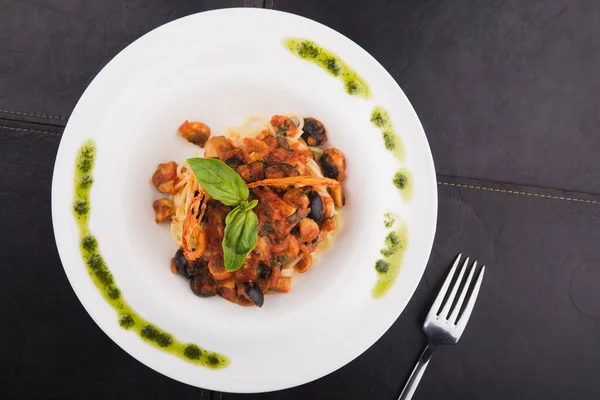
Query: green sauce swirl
{"x": 104, "y": 281}
{"x": 308, "y": 50}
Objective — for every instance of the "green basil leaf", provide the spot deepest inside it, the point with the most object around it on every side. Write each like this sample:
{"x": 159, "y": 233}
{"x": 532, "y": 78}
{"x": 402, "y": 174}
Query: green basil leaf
{"x": 233, "y": 213}
{"x": 219, "y": 180}
{"x": 251, "y": 205}
{"x": 240, "y": 238}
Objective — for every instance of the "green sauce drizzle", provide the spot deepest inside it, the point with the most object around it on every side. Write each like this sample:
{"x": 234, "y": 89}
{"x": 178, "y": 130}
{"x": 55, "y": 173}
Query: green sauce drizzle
{"x": 393, "y": 253}
{"x": 403, "y": 181}
{"x": 104, "y": 281}
{"x": 381, "y": 119}
{"x": 389, "y": 219}
{"x": 396, "y": 241}
{"x": 354, "y": 84}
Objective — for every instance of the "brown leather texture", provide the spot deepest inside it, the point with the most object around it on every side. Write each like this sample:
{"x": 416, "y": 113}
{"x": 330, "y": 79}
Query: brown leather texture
{"x": 509, "y": 95}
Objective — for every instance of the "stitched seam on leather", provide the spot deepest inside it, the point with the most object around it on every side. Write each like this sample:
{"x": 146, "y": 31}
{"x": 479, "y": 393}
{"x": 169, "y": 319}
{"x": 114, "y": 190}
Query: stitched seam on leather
{"x": 520, "y": 193}
{"x": 29, "y": 130}
{"x": 33, "y": 115}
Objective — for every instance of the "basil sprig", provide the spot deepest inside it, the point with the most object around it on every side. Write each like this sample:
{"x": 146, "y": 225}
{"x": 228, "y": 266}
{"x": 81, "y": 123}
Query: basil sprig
{"x": 241, "y": 224}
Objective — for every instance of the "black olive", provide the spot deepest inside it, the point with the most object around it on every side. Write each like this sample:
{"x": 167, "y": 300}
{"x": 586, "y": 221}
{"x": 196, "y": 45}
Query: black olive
{"x": 255, "y": 294}
{"x": 234, "y": 162}
{"x": 181, "y": 263}
{"x": 314, "y": 132}
{"x": 264, "y": 271}
{"x": 203, "y": 285}
{"x": 316, "y": 206}
{"x": 195, "y": 267}
{"x": 330, "y": 170}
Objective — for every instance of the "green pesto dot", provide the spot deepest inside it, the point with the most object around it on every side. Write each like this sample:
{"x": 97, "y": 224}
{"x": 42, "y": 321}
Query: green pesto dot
{"x": 89, "y": 243}
{"x": 382, "y": 266}
{"x": 149, "y": 332}
{"x": 377, "y": 119}
{"x": 389, "y": 220}
{"x": 307, "y": 50}
{"x": 97, "y": 265}
{"x": 332, "y": 66}
{"x": 85, "y": 159}
{"x": 114, "y": 293}
{"x": 104, "y": 276}
{"x": 126, "y": 321}
{"x": 192, "y": 352}
{"x": 392, "y": 240}
{"x": 81, "y": 207}
{"x": 400, "y": 180}
{"x": 164, "y": 339}
{"x": 389, "y": 140}
{"x": 95, "y": 261}
{"x": 85, "y": 181}
{"x": 352, "y": 87}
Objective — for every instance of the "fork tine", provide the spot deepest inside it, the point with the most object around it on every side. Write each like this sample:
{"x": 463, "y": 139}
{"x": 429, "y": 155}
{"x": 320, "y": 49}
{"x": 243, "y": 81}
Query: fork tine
{"x": 464, "y": 318}
{"x": 446, "y": 310}
{"x": 437, "y": 304}
{"x": 463, "y": 293}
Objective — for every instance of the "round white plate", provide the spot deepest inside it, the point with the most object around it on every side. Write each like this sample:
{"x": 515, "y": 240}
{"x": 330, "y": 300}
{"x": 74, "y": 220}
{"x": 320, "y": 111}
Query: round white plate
{"x": 220, "y": 67}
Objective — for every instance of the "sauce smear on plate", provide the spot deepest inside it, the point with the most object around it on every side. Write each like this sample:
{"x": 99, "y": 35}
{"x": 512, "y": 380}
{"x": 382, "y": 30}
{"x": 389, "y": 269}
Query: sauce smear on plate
{"x": 354, "y": 84}
{"x": 381, "y": 119}
{"x": 389, "y": 266}
{"x": 104, "y": 281}
{"x": 403, "y": 182}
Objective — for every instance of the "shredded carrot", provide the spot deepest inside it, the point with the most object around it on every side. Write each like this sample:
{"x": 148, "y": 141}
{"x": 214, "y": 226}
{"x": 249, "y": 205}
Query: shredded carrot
{"x": 193, "y": 229}
{"x": 298, "y": 181}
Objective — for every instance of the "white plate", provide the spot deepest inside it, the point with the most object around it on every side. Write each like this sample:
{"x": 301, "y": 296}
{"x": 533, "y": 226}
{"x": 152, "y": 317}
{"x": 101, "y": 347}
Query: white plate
{"x": 220, "y": 67}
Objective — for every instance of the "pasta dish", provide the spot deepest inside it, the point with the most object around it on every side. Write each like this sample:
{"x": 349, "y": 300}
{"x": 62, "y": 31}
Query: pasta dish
{"x": 243, "y": 238}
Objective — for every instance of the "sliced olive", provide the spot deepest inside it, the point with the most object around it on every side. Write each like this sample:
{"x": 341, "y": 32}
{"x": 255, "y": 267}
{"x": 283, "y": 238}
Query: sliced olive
{"x": 314, "y": 132}
{"x": 234, "y": 162}
{"x": 316, "y": 206}
{"x": 264, "y": 271}
{"x": 255, "y": 294}
{"x": 330, "y": 170}
{"x": 195, "y": 267}
{"x": 181, "y": 263}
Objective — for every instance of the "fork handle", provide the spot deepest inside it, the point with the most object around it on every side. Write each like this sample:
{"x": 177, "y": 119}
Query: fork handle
{"x": 417, "y": 374}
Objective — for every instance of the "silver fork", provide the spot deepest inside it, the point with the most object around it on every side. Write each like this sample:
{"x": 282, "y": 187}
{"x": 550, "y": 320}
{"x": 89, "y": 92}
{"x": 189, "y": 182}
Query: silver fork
{"x": 444, "y": 325}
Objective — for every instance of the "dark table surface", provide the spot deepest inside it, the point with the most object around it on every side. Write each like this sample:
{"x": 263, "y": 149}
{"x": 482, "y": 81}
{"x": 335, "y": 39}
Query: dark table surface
{"x": 509, "y": 96}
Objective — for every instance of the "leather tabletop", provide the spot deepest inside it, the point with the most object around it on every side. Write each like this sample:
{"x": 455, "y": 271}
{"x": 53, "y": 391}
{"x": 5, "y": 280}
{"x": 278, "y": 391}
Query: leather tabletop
{"x": 509, "y": 95}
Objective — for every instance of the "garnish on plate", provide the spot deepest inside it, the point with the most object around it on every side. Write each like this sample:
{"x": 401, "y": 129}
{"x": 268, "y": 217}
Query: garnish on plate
{"x": 226, "y": 186}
